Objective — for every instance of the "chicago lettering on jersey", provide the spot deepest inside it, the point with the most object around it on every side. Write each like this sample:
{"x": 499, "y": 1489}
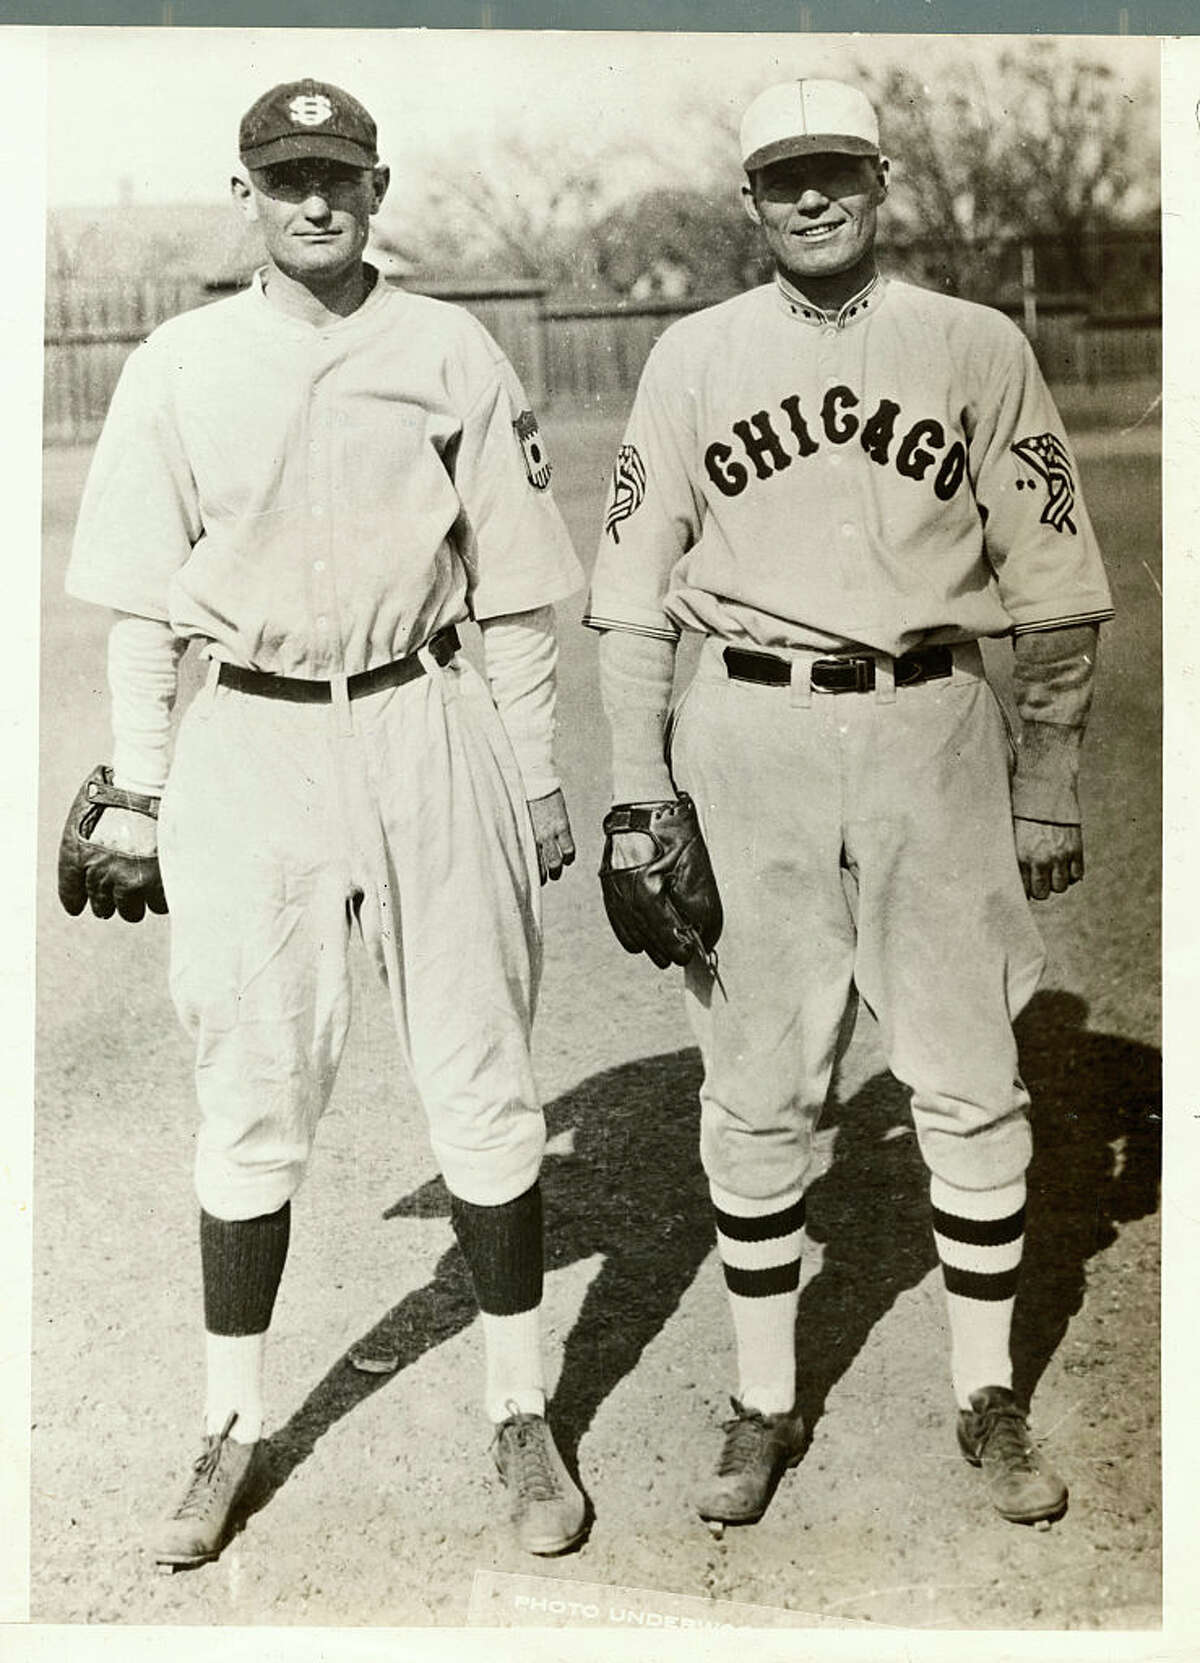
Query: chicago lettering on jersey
{"x": 768, "y": 444}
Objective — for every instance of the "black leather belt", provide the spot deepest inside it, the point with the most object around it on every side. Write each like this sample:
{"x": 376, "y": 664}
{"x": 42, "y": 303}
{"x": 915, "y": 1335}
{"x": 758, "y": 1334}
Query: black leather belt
{"x": 301, "y": 690}
{"x": 852, "y": 674}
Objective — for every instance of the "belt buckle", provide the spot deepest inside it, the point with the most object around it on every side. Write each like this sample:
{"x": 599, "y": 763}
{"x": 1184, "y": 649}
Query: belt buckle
{"x": 864, "y": 674}
{"x": 862, "y": 666}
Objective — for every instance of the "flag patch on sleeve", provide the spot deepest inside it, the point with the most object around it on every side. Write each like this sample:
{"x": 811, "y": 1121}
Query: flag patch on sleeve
{"x": 628, "y": 489}
{"x": 533, "y": 449}
{"x": 1046, "y": 455}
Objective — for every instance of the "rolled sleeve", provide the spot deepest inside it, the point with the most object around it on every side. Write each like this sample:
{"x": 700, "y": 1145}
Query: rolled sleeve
{"x": 612, "y": 609}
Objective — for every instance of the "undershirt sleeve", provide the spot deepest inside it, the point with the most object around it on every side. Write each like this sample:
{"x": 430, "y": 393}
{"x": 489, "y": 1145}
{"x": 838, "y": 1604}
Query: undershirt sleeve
{"x": 636, "y": 674}
{"x": 143, "y": 678}
{"x": 520, "y": 654}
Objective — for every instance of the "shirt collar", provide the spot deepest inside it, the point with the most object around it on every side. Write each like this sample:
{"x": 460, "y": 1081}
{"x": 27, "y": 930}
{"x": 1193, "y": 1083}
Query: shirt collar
{"x": 799, "y": 306}
{"x": 371, "y": 301}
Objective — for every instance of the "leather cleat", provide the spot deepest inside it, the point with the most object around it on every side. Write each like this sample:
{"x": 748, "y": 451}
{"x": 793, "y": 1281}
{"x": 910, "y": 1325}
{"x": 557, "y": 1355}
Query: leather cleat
{"x": 547, "y": 1508}
{"x": 758, "y": 1448}
{"x": 994, "y": 1434}
{"x": 199, "y": 1526}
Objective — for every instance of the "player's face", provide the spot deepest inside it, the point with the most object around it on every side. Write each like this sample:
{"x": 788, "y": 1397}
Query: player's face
{"x": 818, "y": 212}
{"x": 315, "y": 214}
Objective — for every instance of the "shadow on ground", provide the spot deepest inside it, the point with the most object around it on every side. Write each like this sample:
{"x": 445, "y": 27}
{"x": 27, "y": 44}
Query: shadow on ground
{"x": 1097, "y": 1119}
{"x": 632, "y": 1191}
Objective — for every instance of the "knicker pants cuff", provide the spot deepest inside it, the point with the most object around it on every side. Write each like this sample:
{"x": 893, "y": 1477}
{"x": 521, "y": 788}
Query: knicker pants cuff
{"x": 491, "y": 1177}
{"x": 238, "y": 1193}
{"x": 985, "y": 1159}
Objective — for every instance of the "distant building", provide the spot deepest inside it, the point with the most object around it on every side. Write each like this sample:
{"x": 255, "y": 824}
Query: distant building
{"x": 169, "y": 242}
{"x": 208, "y": 245}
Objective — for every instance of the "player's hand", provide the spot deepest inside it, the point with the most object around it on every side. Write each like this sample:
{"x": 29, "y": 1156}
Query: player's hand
{"x": 552, "y": 830}
{"x": 1050, "y": 856}
{"x": 657, "y": 882}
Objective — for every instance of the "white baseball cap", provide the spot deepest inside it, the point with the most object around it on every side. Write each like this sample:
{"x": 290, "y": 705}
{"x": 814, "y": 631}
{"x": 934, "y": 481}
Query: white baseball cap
{"x": 798, "y": 118}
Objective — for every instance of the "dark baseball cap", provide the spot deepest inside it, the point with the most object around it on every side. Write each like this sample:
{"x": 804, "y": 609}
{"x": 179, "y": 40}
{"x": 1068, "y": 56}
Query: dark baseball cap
{"x": 307, "y": 118}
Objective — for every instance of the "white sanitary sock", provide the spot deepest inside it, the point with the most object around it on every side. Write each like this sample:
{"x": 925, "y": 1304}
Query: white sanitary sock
{"x": 235, "y": 1371}
{"x": 515, "y": 1373}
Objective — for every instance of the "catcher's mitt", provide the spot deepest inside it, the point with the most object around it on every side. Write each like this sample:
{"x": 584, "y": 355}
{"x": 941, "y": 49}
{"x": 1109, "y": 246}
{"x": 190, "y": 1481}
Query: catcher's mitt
{"x": 668, "y": 905}
{"x": 87, "y": 871}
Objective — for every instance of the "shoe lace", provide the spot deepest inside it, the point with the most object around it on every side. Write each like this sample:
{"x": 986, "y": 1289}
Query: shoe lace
{"x": 533, "y": 1472}
{"x": 744, "y": 1437}
{"x": 1006, "y": 1436}
{"x": 204, "y": 1470}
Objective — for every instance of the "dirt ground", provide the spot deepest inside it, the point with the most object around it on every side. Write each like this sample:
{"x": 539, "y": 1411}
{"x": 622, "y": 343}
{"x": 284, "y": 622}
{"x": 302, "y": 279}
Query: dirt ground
{"x": 380, "y": 1505}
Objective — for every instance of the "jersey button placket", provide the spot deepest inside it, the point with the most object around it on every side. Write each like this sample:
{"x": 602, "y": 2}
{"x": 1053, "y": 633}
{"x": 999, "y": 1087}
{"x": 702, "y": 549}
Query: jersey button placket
{"x": 327, "y": 643}
{"x": 841, "y": 365}
{"x": 838, "y": 470}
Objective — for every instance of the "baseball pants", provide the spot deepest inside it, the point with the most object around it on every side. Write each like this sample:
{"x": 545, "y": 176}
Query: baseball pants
{"x": 283, "y": 827}
{"x": 860, "y": 838}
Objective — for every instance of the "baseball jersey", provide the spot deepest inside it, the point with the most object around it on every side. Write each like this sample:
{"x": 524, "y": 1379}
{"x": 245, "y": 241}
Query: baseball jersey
{"x": 318, "y": 501}
{"x": 897, "y": 476}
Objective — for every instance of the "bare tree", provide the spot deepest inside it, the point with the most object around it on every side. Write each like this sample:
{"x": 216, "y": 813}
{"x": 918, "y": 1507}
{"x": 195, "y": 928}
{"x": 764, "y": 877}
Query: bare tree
{"x": 1034, "y": 145}
{"x": 701, "y": 234}
{"x": 1029, "y": 143}
{"x": 523, "y": 208}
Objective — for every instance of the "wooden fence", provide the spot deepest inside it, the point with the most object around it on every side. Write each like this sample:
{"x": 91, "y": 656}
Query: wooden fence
{"x": 1118, "y": 349}
{"x": 585, "y": 354}
{"x": 595, "y": 350}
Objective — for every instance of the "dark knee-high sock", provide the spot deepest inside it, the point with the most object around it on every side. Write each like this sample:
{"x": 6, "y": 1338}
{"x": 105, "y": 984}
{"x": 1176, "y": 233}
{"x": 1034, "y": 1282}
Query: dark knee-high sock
{"x": 503, "y": 1249}
{"x": 242, "y": 1263}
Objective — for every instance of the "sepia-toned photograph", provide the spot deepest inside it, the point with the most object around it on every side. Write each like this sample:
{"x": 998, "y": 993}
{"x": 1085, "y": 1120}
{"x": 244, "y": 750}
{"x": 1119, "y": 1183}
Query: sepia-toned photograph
{"x": 598, "y": 1052}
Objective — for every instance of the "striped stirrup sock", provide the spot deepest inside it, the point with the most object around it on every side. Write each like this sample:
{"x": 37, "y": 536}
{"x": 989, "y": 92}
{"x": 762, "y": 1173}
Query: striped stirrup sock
{"x": 759, "y": 1244}
{"x": 979, "y": 1235}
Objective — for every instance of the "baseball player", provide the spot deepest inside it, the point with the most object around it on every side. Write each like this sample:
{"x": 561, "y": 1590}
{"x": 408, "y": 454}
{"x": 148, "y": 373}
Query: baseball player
{"x": 843, "y": 482}
{"x": 317, "y": 481}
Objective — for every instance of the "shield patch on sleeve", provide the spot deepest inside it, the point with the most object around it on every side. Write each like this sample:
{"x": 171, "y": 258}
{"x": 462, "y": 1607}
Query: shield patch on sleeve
{"x": 533, "y": 449}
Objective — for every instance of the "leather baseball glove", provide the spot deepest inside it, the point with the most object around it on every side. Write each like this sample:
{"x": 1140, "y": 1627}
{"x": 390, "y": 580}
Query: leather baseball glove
{"x": 113, "y": 879}
{"x": 666, "y": 904}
